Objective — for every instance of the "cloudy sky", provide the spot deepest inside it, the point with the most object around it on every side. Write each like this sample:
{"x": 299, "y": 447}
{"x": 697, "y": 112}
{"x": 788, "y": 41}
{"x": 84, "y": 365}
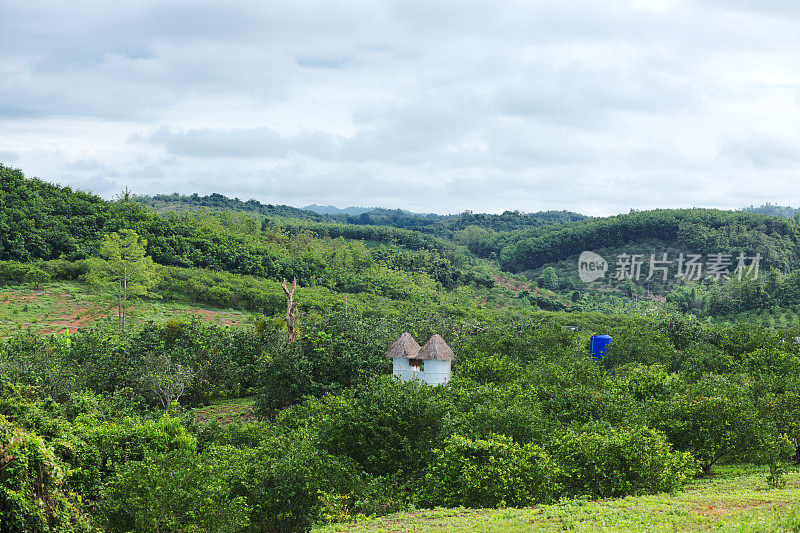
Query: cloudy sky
{"x": 436, "y": 105}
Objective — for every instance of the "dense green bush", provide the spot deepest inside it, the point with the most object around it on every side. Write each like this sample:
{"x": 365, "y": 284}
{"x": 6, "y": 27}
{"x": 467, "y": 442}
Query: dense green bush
{"x": 512, "y": 410}
{"x": 335, "y": 351}
{"x": 713, "y": 419}
{"x": 288, "y": 483}
{"x": 175, "y": 491}
{"x": 95, "y": 448}
{"x": 384, "y": 425}
{"x": 602, "y": 461}
{"x": 34, "y": 497}
{"x": 488, "y": 473}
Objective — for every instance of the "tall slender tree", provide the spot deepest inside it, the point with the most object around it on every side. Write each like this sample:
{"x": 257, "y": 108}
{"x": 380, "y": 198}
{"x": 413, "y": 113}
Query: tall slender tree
{"x": 124, "y": 268}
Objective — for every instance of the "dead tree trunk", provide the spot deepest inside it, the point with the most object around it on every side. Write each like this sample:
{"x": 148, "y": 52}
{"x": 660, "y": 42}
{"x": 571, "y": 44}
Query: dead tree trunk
{"x": 291, "y": 311}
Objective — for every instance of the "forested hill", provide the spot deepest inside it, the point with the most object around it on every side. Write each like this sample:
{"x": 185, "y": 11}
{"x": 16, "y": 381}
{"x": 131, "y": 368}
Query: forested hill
{"x": 784, "y": 211}
{"x": 440, "y": 225}
{"x": 42, "y": 221}
{"x": 172, "y": 203}
{"x": 703, "y": 231}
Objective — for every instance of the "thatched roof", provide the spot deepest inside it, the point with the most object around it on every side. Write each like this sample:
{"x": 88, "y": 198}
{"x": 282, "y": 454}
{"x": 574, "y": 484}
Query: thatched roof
{"x": 404, "y": 346}
{"x": 436, "y": 348}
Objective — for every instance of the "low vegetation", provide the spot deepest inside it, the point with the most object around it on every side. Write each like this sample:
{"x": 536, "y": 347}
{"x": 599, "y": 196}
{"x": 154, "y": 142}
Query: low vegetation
{"x": 735, "y": 500}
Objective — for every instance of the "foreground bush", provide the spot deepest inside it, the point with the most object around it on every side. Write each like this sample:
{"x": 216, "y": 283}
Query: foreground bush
{"x": 288, "y": 484}
{"x": 33, "y": 497}
{"x": 488, "y": 473}
{"x": 603, "y": 462}
{"x": 386, "y": 426}
{"x": 175, "y": 491}
{"x": 713, "y": 419}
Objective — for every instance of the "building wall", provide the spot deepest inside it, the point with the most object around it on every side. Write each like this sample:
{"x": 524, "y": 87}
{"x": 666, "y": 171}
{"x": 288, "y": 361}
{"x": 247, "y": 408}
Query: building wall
{"x": 403, "y": 370}
{"x": 436, "y": 372}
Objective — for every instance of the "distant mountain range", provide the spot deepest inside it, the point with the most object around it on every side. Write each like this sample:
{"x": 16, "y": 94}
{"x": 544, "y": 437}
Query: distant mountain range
{"x": 333, "y": 210}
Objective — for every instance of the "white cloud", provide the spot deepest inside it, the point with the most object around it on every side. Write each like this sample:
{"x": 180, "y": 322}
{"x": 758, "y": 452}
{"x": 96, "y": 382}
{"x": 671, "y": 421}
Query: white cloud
{"x": 592, "y": 106}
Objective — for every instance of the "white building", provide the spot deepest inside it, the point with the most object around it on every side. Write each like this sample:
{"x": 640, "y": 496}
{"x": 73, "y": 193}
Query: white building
{"x": 430, "y": 364}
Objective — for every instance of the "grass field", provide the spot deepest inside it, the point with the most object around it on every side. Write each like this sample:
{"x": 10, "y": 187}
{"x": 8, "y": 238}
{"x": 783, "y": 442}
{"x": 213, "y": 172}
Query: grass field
{"x": 55, "y": 307}
{"x": 226, "y": 412}
{"x": 735, "y": 499}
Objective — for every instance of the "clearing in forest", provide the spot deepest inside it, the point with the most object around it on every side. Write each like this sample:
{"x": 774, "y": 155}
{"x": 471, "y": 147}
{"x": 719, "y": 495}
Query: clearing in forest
{"x": 71, "y": 306}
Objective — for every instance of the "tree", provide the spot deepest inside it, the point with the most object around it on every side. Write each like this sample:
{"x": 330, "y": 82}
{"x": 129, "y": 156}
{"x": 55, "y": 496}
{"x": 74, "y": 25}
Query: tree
{"x": 714, "y": 419}
{"x": 123, "y": 267}
{"x": 291, "y": 311}
{"x": 167, "y": 381}
{"x": 485, "y": 473}
{"x": 549, "y": 279}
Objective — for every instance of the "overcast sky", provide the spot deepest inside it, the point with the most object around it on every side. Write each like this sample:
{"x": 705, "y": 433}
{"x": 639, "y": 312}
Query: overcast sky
{"x": 438, "y": 106}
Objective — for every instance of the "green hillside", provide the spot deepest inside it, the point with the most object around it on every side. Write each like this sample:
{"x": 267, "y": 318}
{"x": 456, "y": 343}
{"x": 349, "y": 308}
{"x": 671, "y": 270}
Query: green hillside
{"x": 151, "y": 380}
{"x": 177, "y": 203}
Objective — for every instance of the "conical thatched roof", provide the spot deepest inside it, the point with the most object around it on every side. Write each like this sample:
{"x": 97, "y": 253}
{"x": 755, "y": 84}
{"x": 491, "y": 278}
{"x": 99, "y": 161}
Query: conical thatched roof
{"x": 404, "y": 346}
{"x": 436, "y": 348}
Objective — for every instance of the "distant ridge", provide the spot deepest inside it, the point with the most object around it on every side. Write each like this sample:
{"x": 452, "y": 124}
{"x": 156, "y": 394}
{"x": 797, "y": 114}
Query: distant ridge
{"x": 333, "y": 210}
{"x": 165, "y": 203}
{"x": 773, "y": 210}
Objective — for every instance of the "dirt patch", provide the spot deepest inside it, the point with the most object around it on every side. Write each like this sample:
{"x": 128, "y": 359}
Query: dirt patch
{"x": 513, "y": 285}
{"x": 224, "y": 318}
{"x": 50, "y": 312}
{"x": 725, "y": 508}
{"x": 56, "y": 311}
{"x": 73, "y": 320}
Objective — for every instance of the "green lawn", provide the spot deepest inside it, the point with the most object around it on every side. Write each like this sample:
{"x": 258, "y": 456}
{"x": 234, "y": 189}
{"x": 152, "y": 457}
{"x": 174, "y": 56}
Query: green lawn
{"x": 736, "y": 499}
{"x": 55, "y": 307}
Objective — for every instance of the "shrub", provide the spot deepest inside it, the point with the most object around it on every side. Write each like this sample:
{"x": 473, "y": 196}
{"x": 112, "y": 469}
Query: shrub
{"x": 13, "y": 272}
{"x": 176, "y": 491}
{"x": 288, "y": 483}
{"x": 488, "y": 473}
{"x": 603, "y": 461}
{"x": 510, "y": 410}
{"x": 384, "y": 425}
{"x": 36, "y": 276}
{"x": 713, "y": 419}
{"x": 490, "y": 369}
{"x": 777, "y": 452}
{"x": 96, "y": 448}
{"x": 33, "y": 497}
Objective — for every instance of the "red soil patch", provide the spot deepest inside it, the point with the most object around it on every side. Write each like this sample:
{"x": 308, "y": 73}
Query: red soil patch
{"x": 725, "y": 508}
{"x": 68, "y": 312}
{"x": 224, "y": 318}
{"x": 24, "y": 297}
{"x": 76, "y": 319}
{"x": 64, "y": 311}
